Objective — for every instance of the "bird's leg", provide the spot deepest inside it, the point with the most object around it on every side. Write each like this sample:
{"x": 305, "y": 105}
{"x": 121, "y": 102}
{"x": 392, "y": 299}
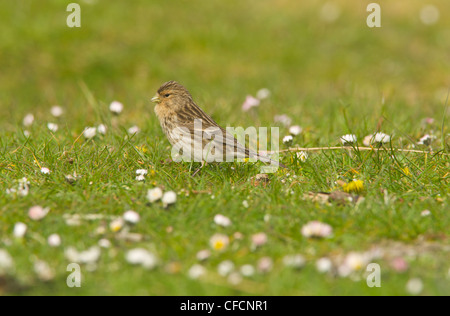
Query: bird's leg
{"x": 196, "y": 171}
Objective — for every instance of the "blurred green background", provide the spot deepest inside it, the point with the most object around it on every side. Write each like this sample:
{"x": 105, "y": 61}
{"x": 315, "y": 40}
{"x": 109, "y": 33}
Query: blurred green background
{"x": 313, "y": 55}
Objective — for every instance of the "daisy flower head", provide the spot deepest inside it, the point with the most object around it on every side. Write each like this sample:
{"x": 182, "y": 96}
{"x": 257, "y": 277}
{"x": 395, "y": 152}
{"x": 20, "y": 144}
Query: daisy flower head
{"x": 53, "y": 127}
{"x": 283, "y": 119}
{"x": 295, "y": 130}
{"x": 355, "y": 185}
{"x": 426, "y": 140}
{"x": 287, "y": 140}
{"x": 56, "y": 111}
{"x": 263, "y": 93}
{"x": 131, "y": 217}
{"x": 116, "y": 107}
{"x": 134, "y": 130}
{"x": 302, "y": 156}
{"x": 89, "y": 132}
{"x": 219, "y": 242}
{"x": 28, "y": 120}
{"x": 222, "y": 220}
{"x": 154, "y": 195}
{"x": 36, "y": 213}
{"x": 259, "y": 239}
{"x": 101, "y": 129}
{"x": 169, "y": 198}
{"x": 20, "y": 230}
{"x": 45, "y": 170}
{"x": 316, "y": 229}
{"x": 348, "y": 139}
{"x": 249, "y": 103}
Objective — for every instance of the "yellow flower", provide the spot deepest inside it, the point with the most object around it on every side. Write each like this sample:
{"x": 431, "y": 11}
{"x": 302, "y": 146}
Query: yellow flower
{"x": 143, "y": 149}
{"x": 406, "y": 171}
{"x": 356, "y": 186}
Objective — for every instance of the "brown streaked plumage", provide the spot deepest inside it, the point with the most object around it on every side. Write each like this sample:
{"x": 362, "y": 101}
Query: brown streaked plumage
{"x": 175, "y": 108}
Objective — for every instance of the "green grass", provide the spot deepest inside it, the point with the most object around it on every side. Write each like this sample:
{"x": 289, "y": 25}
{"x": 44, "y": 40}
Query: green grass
{"x": 330, "y": 78}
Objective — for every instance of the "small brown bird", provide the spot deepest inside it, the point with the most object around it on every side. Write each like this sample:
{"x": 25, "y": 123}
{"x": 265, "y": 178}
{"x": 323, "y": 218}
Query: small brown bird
{"x": 187, "y": 126}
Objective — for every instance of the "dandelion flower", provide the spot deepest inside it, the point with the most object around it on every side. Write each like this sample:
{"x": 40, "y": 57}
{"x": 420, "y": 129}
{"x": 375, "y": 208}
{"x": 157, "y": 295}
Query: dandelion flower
{"x": 116, "y": 107}
{"x": 219, "y": 242}
{"x": 154, "y": 195}
{"x": 250, "y": 102}
{"x": 356, "y": 186}
{"x": 316, "y": 229}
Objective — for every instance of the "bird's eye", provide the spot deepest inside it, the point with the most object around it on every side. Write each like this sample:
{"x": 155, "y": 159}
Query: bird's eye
{"x": 167, "y": 95}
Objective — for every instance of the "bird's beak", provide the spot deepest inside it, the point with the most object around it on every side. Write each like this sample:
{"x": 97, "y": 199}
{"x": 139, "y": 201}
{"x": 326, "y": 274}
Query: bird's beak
{"x": 156, "y": 99}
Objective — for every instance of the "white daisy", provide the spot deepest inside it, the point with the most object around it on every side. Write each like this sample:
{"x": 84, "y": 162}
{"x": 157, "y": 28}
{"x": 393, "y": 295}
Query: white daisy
{"x": 134, "y": 130}
{"x": 116, "y": 107}
{"x": 101, "y": 129}
{"x": 287, "y": 139}
{"x": 222, "y": 220}
{"x": 168, "y": 198}
{"x": 348, "y": 139}
{"x": 56, "y": 111}
{"x": 263, "y": 93}
{"x": 28, "y": 120}
{"x": 295, "y": 130}
{"x": 53, "y": 127}
{"x": 131, "y": 217}
{"x": 154, "y": 194}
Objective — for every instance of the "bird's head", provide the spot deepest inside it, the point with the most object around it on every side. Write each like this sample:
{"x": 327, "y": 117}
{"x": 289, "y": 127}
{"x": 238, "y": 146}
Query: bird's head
{"x": 172, "y": 95}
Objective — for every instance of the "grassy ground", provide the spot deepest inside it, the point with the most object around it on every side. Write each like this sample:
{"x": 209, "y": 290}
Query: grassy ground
{"x": 331, "y": 77}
